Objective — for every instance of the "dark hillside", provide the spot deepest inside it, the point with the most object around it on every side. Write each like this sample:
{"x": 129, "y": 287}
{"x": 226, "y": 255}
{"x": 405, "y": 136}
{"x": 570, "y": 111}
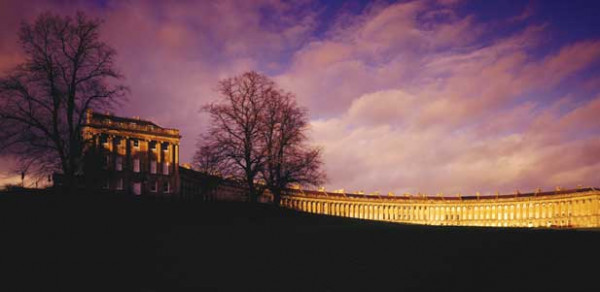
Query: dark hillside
{"x": 110, "y": 243}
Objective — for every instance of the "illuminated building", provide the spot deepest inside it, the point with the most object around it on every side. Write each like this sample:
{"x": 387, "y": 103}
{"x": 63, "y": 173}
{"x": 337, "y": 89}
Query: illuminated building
{"x": 130, "y": 155}
{"x": 578, "y": 208}
{"x": 138, "y": 157}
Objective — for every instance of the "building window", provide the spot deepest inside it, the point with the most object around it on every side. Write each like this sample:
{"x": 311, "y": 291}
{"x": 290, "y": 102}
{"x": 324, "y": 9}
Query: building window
{"x": 137, "y": 188}
{"x": 136, "y": 143}
{"x": 153, "y": 166}
{"x": 104, "y": 140}
{"x": 119, "y": 163}
{"x": 166, "y": 187}
{"x": 166, "y": 168}
{"x": 165, "y": 146}
{"x": 119, "y": 184}
{"x": 154, "y": 187}
{"x": 136, "y": 165}
{"x": 153, "y": 145}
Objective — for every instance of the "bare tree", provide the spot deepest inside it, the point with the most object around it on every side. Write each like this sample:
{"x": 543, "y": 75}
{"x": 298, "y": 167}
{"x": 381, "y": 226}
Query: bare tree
{"x": 257, "y": 134}
{"x": 288, "y": 157}
{"x": 236, "y": 126}
{"x": 43, "y": 101}
{"x": 210, "y": 159}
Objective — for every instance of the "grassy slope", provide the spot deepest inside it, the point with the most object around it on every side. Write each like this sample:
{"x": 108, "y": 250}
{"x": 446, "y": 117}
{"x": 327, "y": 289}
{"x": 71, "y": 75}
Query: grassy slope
{"x": 111, "y": 243}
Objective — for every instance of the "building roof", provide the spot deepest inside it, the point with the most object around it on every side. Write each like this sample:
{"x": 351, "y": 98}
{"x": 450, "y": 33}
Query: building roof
{"x": 191, "y": 174}
{"x": 441, "y": 198}
{"x": 135, "y": 125}
{"x": 117, "y": 119}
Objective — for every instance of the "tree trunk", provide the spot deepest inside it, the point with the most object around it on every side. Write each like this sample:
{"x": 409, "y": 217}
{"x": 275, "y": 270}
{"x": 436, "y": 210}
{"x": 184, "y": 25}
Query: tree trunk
{"x": 251, "y": 193}
{"x": 69, "y": 187}
{"x": 276, "y": 199}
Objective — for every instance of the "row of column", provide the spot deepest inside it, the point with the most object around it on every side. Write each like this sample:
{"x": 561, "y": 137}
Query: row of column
{"x": 164, "y": 151}
{"x": 155, "y": 158}
{"x": 569, "y": 212}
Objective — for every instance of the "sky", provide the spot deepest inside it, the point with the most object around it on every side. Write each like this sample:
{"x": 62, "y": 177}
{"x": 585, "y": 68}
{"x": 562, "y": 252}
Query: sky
{"x": 444, "y": 96}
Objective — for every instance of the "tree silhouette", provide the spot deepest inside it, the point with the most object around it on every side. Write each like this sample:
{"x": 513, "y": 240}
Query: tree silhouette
{"x": 43, "y": 101}
{"x": 257, "y": 135}
{"x": 289, "y": 159}
{"x": 210, "y": 159}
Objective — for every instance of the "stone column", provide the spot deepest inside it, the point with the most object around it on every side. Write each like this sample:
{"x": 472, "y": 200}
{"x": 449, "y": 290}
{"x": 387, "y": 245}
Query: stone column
{"x": 176, "y": 187}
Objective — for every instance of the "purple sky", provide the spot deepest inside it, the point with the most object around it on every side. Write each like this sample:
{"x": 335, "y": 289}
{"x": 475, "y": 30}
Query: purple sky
{"x": 419, "y": 96}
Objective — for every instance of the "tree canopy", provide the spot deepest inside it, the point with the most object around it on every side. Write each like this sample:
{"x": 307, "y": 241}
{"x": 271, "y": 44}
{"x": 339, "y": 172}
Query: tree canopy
{"x": 67, "y": 70}
{"x": 258, "y": 136}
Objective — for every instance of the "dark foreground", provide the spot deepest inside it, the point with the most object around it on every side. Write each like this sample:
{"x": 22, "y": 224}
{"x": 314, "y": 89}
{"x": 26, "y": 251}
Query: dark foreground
{"x": 88, "y": 243}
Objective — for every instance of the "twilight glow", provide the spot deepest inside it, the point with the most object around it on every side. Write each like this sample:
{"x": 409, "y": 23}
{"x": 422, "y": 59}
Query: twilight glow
{"x": 413, "y": 96}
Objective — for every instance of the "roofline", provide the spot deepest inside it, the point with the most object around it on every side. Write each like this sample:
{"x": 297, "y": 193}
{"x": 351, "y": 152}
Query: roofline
{"x": 128, "y": 119}
{"x": 404, "y": 197}
{"x": 444, "y": 198}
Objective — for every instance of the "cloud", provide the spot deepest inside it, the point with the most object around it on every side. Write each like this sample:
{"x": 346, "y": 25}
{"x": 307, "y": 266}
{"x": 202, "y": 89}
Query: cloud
{"x": 415, "y": 96}
{"x": 382, "y": 48}
{"x": 487, "y": 158}
{"x": 472, "y": 118}
{"x": 173, "y": 54}
{"x": 382, "y": 107}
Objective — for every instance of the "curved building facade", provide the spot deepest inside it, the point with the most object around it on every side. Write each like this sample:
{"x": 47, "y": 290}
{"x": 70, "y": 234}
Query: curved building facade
{"x": 578, "y": 208}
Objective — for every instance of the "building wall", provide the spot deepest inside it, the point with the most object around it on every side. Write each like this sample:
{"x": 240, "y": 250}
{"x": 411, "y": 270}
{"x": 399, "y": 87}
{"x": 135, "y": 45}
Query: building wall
{"x": 122, "y": 156}
{"x": 198, "y": 186}
{"x": 576, "y": 209}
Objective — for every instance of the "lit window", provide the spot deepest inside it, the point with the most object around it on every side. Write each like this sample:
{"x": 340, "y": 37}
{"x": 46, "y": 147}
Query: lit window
{"x": 136, "y": 165}
{"x": 137, "y": 188}
{"x": 119, "y": 184}
{"x": 153, "y": 166}
{"x": 119, "y": 163}
{"x": 165, "y": 168}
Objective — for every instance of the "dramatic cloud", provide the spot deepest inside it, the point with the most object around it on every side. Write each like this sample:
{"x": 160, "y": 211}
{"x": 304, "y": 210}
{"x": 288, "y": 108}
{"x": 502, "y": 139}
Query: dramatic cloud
{"x": 416, "y": 96}
{"x": 456, "y": 116}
